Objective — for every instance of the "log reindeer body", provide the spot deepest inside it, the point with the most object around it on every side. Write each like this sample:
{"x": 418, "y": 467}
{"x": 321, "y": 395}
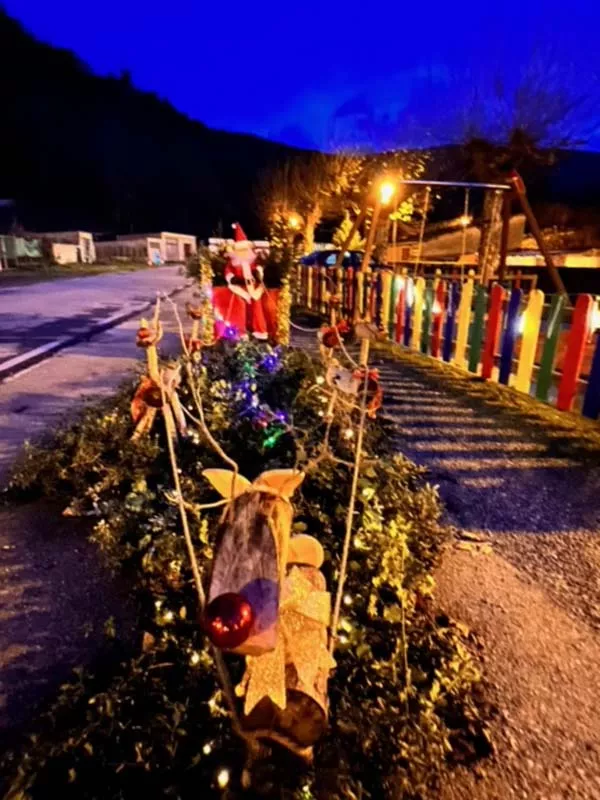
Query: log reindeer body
{"x": 283, "y": 609}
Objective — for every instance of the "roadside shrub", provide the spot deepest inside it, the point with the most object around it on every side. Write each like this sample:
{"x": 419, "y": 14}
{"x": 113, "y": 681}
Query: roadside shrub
{"x": 405, "y": 693}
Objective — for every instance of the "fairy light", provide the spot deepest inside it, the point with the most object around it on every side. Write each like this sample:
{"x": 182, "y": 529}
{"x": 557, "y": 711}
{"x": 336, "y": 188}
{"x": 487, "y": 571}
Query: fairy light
{"x": 222, "y": 778}
{"x": 195, "y": 660}
{"x": 349, "y": 433}
{"x": 168, "y": 616}
{"x": 207, "y": 748}
{"x": 347, "y": 600}
{"x": 320, "y": 380}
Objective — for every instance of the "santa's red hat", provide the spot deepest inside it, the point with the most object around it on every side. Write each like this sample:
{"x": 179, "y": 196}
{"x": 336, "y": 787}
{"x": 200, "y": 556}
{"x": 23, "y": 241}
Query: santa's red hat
{"x": 240, "y": 239}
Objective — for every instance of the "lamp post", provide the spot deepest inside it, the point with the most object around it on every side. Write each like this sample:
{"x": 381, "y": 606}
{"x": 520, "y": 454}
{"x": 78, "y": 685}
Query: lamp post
{"x": 465, "y": 221}
{"x": 385, "y": 192}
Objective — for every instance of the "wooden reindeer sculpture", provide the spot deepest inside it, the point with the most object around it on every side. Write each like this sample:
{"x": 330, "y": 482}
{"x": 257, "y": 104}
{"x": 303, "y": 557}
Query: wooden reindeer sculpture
{"x": 267, "y": 600}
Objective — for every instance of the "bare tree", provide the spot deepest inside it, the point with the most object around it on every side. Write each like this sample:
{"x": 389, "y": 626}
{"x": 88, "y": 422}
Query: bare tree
{"x": 523, "y": 124}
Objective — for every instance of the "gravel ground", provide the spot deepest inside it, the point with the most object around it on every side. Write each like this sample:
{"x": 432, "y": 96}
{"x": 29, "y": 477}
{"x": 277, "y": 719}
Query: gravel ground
{"x": 541, "y": 668}
{"x": 505, "y": 484}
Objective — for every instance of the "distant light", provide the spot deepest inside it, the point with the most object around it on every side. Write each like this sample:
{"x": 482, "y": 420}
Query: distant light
{"x": 207, "y": 749}
{"x": 595, "y": 320}
{"x": 222, "y": 778}
{"x": 465, "y": 220}
{"x": 294, "y": 221}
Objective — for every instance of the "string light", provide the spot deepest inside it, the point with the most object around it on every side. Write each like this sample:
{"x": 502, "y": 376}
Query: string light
{"x": 207, "y": 749}
{"x": 195, "y": 659}
{"x": 222, "y": 778}
{"x": 347, "y": 600}
{"x": 349, "y": 433}
{"x": 320, "y": 380}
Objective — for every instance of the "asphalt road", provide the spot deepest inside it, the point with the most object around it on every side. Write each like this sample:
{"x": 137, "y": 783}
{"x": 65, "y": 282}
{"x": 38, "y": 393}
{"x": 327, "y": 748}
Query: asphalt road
{"x": 40, "y": 396}
{"x": 55, "y": 595}
{"x": 37, "y": 314}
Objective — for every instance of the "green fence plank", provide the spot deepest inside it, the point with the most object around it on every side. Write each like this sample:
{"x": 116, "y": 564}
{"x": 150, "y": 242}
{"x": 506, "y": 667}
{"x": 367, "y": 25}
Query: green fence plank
{"x": 427, "y": 308}
{"x": 476, "y": 336}
{"x": 555, "y": 318}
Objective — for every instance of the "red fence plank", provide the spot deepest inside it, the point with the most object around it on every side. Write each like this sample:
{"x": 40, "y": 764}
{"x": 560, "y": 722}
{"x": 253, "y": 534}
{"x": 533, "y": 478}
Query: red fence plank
{"x": 400, "y": 311}
{"x": 439, "y": 305}
{"x": 494, "y": 323}
{"x": 580, "y": 326}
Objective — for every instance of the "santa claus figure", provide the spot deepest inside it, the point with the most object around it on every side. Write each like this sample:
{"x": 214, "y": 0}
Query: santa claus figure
{"x": 246, "y": 301}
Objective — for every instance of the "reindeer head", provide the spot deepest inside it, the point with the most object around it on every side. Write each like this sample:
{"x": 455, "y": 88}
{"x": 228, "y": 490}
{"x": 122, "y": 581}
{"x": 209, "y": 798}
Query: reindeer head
{"x": 251, "y": 556}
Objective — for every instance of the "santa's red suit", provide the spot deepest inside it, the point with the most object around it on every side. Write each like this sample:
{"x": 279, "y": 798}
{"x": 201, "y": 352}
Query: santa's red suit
{"x": 245, "y": 306}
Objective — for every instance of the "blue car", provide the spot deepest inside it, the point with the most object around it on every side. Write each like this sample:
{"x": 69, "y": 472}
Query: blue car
{"x": 327, "y": 258}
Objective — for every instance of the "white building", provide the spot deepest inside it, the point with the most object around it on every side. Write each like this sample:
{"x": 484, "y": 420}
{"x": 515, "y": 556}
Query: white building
{"x": 71, "y": 247}
{"x": 162, "y": 248}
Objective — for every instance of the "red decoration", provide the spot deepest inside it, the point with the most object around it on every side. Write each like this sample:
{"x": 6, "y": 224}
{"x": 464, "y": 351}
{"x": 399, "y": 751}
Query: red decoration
{"x": 374, "y": 390}
{"x": 193, "y": 345}
{"x": 331, "y": 337}
{"x": 228, "y": 620}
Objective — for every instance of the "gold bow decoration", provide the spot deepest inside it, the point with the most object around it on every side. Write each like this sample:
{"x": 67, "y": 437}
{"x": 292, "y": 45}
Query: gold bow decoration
{"x": 301, "y": 644}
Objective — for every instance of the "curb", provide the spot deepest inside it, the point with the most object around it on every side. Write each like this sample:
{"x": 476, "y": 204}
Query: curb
{"x": 13, "y": 366}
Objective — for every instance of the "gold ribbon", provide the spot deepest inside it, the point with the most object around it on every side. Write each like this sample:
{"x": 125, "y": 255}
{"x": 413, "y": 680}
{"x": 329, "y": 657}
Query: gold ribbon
{"x": 301, "y": 642}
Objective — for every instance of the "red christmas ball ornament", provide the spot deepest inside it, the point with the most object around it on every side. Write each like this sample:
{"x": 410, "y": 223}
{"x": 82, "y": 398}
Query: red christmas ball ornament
{"x": 228, "y": 620}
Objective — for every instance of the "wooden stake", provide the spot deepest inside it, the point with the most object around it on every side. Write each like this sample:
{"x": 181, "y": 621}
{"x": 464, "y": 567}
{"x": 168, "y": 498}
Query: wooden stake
{"x": 365, "y": 345}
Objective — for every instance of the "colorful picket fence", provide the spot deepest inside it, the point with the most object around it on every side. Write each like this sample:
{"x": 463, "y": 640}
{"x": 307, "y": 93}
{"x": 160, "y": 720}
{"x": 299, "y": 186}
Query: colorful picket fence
{"x": 499, "y": 334}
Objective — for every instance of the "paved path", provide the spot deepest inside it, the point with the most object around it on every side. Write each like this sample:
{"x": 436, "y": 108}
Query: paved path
{"x": 33, "y": 315}
{"x": 505, "y": 481}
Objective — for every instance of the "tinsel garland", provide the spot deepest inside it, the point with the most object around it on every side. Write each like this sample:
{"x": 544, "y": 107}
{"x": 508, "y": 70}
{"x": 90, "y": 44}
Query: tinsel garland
{"x": 284, "y": 306}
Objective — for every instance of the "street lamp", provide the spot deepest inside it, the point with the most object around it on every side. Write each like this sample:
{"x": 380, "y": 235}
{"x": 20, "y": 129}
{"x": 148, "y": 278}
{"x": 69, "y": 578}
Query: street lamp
{"x": 386, "y": 192}
{"x": 294, "y": 221}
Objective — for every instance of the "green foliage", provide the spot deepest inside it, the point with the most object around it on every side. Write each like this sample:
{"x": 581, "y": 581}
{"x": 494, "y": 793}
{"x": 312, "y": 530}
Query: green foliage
{"x": 403, "y": 705}
{"x": 341, "y": 234}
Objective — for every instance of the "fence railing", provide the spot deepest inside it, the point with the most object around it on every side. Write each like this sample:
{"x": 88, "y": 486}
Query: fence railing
{"x": 547, "y": 349}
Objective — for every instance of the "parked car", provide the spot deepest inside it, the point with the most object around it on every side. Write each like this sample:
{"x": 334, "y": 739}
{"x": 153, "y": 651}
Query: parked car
{"x": 327, "y": 258}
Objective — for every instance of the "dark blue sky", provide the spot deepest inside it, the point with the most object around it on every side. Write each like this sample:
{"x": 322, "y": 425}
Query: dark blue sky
{"x": 283, "y": 70}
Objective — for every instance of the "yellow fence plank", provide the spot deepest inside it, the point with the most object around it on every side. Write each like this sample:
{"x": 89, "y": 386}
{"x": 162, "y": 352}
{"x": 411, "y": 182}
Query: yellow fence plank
{"x": 530, "y": 325}
{"x": 417, "y": 320}
{"x": 464, "y": 321}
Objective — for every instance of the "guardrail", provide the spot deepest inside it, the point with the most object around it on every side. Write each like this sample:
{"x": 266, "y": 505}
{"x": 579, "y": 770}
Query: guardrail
{"x": 549, "y": 350}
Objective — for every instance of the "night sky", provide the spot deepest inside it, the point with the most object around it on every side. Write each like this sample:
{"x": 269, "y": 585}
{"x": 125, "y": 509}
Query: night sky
{"x": 297, "y": 72}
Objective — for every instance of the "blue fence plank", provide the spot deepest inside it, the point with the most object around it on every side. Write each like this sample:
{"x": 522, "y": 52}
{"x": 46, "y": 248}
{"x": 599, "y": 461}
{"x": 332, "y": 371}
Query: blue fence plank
{"x": 451, "y": 309}
{"x": 510, "y": 336}
{"x": 591, "y": 401}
